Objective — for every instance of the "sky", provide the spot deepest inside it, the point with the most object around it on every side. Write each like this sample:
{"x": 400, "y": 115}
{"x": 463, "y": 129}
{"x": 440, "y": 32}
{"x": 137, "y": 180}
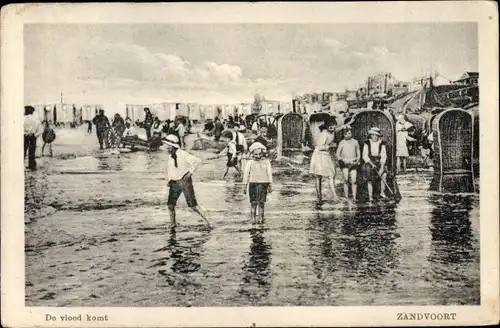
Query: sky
{"x": 118, "y": 64}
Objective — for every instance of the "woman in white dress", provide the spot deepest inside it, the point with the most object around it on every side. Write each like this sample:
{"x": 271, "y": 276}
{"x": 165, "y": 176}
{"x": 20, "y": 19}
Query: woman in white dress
{"x": 402, "y": 126}
{"x": 322, "y": 163}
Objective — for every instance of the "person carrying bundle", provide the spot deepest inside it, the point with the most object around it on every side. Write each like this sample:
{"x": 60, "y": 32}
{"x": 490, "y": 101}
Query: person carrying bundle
{"x": 48, "y": 136}
{"x": 375, "y": 158}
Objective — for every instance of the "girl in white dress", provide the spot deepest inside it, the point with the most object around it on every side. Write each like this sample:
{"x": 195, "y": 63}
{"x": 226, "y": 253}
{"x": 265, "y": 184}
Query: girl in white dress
{"x": 402, "y": 126}
{"x": 322, "y": 163}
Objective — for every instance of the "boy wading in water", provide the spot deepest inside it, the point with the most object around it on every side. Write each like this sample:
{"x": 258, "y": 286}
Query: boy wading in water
{"x": 375, "y": 157}
{"x": 180, "y": 167}
{"x": 257, "y": 178}
{"x": 348, "y": 155}
{"x": 231, "y": 152}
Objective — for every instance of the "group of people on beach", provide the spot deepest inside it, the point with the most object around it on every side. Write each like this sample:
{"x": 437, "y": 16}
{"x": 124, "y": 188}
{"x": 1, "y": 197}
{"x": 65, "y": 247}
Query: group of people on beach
{"x": 123, "y": 131}
{"x": 256, "y": 169}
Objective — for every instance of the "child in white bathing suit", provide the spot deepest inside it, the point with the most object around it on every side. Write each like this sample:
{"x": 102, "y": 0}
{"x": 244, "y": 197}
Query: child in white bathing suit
{"x": 348, "y": 155}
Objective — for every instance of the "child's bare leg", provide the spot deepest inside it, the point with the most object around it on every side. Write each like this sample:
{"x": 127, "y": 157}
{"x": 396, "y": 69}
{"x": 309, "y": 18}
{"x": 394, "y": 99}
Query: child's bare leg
{"x": 370, "y": 191}
{"x": 43, "y": 148}
{"x": 398, "y": 164}
{"x": 227, "y": 170}
{"x": 253, "y": 212}
{"x": 404, "y": 164}
{"x": 318, "y": 188}
{"x": 354, "y": 186}
{"x": 50, "y": 149}
{"x": 261, "y": 212}
{"x": 345, "y": 172}
{"x": 171, "y": 212}
{"x": 331, "y": 182}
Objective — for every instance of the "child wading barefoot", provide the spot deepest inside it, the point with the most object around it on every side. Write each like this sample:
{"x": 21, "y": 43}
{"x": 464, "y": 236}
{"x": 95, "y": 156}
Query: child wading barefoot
{"x": 257, "y": 177}
{"x": 348, "y": 155}
{"x": 322, "y": 164}
{"x": 180, "y": 167}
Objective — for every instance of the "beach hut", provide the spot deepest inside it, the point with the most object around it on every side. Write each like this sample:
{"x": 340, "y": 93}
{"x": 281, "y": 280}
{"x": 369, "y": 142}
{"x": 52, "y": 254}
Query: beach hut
{"x": 291, "y": 130}
{"x": 361, "y": 122}
{"x": 194, "y": 112}
{"x": 453, "y": 145}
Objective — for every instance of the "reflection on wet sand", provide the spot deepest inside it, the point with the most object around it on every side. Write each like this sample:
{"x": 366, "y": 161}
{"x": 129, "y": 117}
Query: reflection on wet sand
{"x": 425, "y": 251}
{"x": 256, "y": 284}
{"x": 454, "y": 259}
{"x": 109, "y": 163}
{"x": 368, "y": 246}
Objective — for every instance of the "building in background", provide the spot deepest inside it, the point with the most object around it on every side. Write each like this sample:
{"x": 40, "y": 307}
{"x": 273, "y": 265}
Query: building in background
{"x": 468, "y": 78}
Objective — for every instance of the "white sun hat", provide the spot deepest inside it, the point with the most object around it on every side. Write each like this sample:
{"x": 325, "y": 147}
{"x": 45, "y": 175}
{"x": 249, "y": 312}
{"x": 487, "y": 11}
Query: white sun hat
{"x": 172, "y": 140}
{"x": 255, "y": 146}
{"x": 375, "y": 131}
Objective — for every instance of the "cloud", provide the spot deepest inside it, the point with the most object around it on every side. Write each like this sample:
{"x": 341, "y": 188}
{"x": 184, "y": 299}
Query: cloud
{"x": 335, "y": 45}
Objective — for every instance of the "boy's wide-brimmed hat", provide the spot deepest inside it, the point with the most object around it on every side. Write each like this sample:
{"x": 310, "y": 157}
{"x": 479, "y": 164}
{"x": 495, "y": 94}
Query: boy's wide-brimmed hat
{"x": 172, "y": 140}
{"x": 375, "y": 131}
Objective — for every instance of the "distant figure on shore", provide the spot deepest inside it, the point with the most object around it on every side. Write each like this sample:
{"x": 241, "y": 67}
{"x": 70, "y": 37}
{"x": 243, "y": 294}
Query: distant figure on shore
{"x": 209, "y": 126}
{"x": 101, "y": 125}
{"x": 218, "y": 128}
{"x": 157, "y": 126}
{"x": 181, "y": 132}
{"x": 148, "y": 122}
{"x": 48, "y": 136}
{"x": 32, "y": 129}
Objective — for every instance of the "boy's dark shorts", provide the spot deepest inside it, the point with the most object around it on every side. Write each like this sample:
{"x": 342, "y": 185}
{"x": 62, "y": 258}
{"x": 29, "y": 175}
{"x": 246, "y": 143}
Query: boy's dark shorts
{"x": 350, "y": 166}
{"x": 258, "y": 192}
{"x": 177, "y": 187}
{"x": 230, "y": 161}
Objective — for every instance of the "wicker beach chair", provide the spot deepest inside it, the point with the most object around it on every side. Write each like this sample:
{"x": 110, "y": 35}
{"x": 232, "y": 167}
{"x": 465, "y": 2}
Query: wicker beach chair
{"x": 361, "y": 123}
{"x": 453, "y": 141}
{"x": 314, "y": 122}
{"x": 476, "y": 138}
{"x": 290, "y": 134}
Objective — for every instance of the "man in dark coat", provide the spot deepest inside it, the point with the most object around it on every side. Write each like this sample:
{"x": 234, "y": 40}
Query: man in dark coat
{"x": 101, "y": 125}
{"x": 148, "y": 122}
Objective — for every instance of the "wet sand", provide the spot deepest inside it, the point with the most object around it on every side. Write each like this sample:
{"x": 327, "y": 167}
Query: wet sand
{"x": 96, "y": 235}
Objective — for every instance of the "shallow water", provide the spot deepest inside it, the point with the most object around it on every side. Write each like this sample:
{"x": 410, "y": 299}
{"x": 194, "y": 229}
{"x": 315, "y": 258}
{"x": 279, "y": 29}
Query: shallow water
{"x": 105, "y": 241}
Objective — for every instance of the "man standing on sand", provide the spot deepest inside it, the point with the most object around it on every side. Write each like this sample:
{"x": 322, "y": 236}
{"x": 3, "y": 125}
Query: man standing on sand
{"x": 32, "y": 129}
{"x": 218, "y": 128}
{"x": 101, "y": 125}
{"x": 180, "y": 167}
{"x": 148, "y": 122}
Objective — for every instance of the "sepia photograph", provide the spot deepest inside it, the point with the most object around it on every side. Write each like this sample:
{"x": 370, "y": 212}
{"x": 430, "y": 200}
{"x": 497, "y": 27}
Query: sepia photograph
{"x": 252, "y": 164}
